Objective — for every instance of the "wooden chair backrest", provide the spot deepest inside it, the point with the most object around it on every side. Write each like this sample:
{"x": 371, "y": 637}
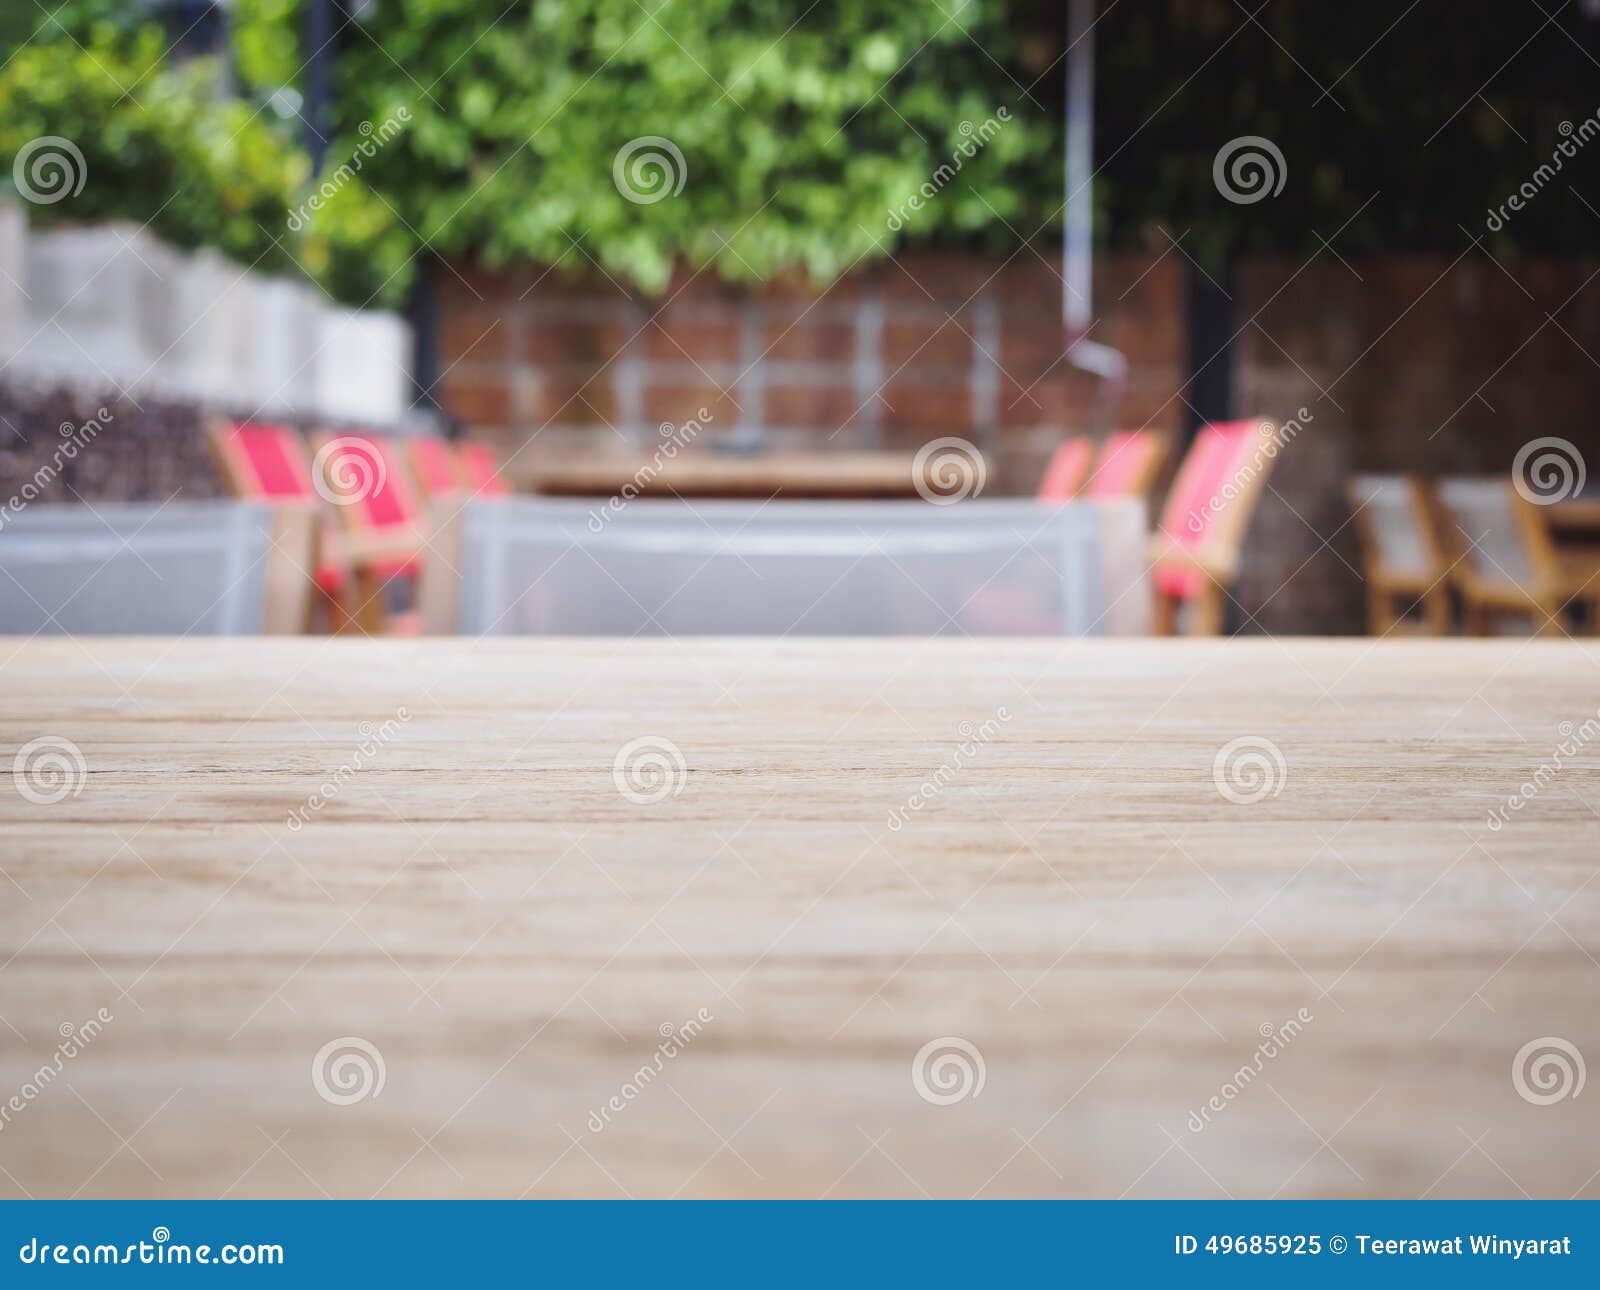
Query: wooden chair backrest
{"x": 1068, "y": 469}
{"x": 266, "y": 463}
{"x": 1394, "y": 524}
{"x": 1210, "y": 504}
{"x": 437, "y": 468}
{"x": 1501, "y": 538}
{"x": 367, "y": 476}
{"x": 1128, "y": 464}
{"x": 483, "y": 470}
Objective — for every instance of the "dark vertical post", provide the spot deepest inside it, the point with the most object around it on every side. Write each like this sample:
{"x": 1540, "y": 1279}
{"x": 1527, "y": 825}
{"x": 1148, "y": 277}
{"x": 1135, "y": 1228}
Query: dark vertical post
{"x": 1210, "y": 324}
{"x": 422, "y": 312}
{"x": 319, "y": 35}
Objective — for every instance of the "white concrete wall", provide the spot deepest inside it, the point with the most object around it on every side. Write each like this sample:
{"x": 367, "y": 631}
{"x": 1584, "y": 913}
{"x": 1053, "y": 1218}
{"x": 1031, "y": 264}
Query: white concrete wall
{"x": 110, "y": 309}
{"x": 363, "y": 366}
{"x": 13, "y": 278}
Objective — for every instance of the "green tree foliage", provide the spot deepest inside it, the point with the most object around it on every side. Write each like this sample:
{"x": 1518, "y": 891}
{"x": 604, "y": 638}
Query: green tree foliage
{"x": 800, "y": 128}
{"x": 162, "y": 148}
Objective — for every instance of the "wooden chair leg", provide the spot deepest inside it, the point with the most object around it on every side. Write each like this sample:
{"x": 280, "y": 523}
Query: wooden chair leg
{"x": 1475, "y": 616}
{"x": 1436, "y": 611}
{"x": 1381, "y": 613}
{"x": 370, "y": 614}
{"x": 1547, "y": 618}
{"x": 1206, "y": 612}
{"x": 340, "y": 621}
{"x": 1164, "y": 619}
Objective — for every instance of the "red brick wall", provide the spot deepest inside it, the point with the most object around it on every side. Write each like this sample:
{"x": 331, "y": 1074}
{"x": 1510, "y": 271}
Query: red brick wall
{"x": 1418, "y": 363}
{"x": 916, "y": 348}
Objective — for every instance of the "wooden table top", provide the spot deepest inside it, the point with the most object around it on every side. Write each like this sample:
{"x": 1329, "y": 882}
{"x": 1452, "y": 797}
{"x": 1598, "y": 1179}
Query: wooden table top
{"x": 717, "y": 981}
{"x": 1581, "y": 513}
{"x": 705, "y": 474}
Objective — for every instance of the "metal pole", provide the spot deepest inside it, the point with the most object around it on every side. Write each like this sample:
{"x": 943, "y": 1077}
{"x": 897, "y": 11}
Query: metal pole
{"x": 1077, "y": 220}
{"x": 319, "y": 78}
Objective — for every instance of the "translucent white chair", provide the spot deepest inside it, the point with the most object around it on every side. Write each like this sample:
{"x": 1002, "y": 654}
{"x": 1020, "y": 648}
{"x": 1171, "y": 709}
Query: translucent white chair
{"x": 573, "y": 567}
{"x": 198, "y": 568}
{"x": 1403, "y": 560}
{"x": 1507, "y": 563}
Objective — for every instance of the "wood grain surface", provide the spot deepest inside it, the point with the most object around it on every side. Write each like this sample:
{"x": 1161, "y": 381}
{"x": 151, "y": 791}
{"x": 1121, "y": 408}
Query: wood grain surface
{"x": 1074, "y": 898}
{"x": 703, "y": 474}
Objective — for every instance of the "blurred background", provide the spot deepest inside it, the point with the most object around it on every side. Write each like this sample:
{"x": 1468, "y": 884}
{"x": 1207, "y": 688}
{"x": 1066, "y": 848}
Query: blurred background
{"x": 563, "y": 226}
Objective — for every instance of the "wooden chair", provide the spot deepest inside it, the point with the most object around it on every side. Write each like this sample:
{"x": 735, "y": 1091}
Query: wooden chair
{"x": 269, "y": 464}
{"x": 1403, "y": 560}
{"x": 1128, "y": 465}
{"x": 380, "y": 515}
{"x": 170, "y": 569}
{"x": 1068, "y": 469}
{"x": 1507, "y": 562}
{"x": 1195, "y": 551}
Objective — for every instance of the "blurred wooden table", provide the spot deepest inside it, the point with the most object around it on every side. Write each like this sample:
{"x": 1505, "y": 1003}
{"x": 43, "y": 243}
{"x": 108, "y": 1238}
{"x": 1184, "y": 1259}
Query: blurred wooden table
{"x": 281, "y": 850}
{"x": 704, "y": 474}
{"x": 1580, "y": 515}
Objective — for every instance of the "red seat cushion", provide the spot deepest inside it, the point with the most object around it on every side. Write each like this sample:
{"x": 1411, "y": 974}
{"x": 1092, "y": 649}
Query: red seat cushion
{"x": 483, "y": 472}
{"x": 1198, "y": 497}
{"x": 275, "y": 460}
{"x": 1069, "y": 465}
{"x": 1122, "y": 462}
{"x": 435, "y": 466}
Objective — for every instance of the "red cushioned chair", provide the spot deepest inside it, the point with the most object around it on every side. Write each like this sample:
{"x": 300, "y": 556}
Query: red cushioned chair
{"x": 379, "y": 514}
{"x": 1068, "y": 468}
{"x": 439, "y": 471}
{"x": 482, "y": 470}
{"x": 1128, "y": 465}
{"x": 269, "y": 463}
{"x": 1195, "y": 551}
